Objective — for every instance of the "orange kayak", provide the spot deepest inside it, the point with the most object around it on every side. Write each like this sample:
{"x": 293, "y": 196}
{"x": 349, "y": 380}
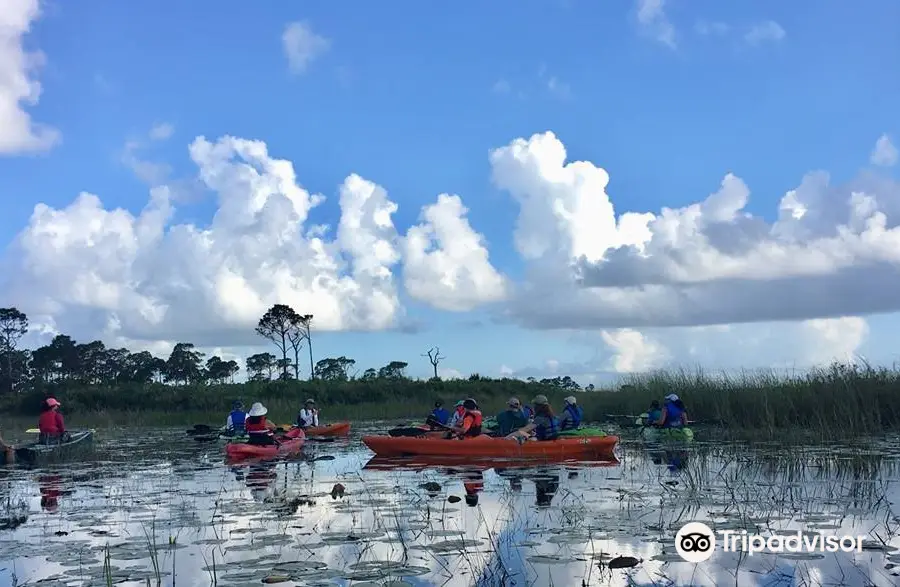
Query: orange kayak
{"x": 336, "y": 429}
{"x": 290, "y": 444}
{"x": 487, "y": 446}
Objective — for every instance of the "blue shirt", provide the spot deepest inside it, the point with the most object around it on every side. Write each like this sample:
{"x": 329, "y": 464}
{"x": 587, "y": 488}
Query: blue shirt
{"x": 236, "y": 420}
{"x": 441, "y": 415}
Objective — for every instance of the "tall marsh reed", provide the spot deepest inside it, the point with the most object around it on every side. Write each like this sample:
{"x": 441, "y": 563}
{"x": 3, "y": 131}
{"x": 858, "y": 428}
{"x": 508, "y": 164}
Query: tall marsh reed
{"x": 840, "y": 400}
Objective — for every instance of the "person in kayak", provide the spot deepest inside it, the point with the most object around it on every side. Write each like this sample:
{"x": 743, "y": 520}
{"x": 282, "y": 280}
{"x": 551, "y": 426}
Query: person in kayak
{"x": 260, "y": 432}
{"x": 673, "y": 413}
{"x": 470, "y": 424}
{"x": 572, "y": 415}
{"x": 309, "y": 415}
{"x": 512, "y": 418}
{"x": 234, "y": 424}
{"x": 545, "y": 425}
{"x": 528, "y": 411}
{"x": 439, "y": 414}
{"x": 50, "y": 423}
{"x": 456, "y": 417}
{"x": 653, "y": 414}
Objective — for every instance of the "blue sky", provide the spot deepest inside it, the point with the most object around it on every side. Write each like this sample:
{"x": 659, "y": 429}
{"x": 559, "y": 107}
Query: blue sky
{"x": 666, "y": 97}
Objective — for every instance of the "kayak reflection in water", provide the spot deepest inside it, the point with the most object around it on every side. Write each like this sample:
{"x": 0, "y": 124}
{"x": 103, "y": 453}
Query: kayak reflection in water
{"x": 260, "y": 478}
{"x": 545, "y": 488}
{"x": 49, "y": 486}
{"x": 473, "y": 485}
{"x": 675, "y": 460}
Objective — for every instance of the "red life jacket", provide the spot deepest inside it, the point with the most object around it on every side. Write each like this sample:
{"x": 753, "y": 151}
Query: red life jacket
{"x": 473, "y": 418}
{"x": 256, "y": 427}
{"x": 50, "y": 423}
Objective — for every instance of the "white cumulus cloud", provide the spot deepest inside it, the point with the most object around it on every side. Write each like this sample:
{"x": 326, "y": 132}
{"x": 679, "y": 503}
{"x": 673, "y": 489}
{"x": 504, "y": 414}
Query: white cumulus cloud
{"x": 302, "y": 45}
{"x": 707, "y": 263}
{"x": 651, "y": 15}
{"x": 768, "y": 31}
{"x": 446, "y": 262}
{"x": 110, "y": 273}
{"x": 884, "y": 153}
{"x": 18, "y": 86}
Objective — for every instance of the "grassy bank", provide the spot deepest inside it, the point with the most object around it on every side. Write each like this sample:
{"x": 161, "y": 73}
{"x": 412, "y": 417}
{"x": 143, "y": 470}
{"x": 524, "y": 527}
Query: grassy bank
{"x": 840, "y": 400}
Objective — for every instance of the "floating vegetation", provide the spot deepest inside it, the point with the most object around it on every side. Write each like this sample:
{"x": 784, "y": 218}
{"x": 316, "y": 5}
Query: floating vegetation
{"x": 142, "y": 512}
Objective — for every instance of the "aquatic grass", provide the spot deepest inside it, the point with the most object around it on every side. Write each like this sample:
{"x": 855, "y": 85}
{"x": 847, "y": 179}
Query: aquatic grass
{"x": 836, "y": 401}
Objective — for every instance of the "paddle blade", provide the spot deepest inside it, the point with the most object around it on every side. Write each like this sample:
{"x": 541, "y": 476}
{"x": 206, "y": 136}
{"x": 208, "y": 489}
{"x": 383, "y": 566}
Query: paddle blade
{"x": 33, "y": 431}
{"x": 411, "y": 431}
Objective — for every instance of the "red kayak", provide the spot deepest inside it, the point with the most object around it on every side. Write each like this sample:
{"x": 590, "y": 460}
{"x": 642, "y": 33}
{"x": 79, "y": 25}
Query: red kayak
{"x": 336, "y": 429}
{"x": 291, "y": 443}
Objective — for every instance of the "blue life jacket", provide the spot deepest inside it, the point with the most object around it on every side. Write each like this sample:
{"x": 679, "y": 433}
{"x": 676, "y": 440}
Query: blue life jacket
{"x": 441, "y": 415}
{"x": 653, "y": 416}
{"x": 529, "y": 413}
{"x": 545, "y": 432}
{"x": 673, "y": 416}
{"x": 237, "y": 419}
{"x": 576, "y": 414}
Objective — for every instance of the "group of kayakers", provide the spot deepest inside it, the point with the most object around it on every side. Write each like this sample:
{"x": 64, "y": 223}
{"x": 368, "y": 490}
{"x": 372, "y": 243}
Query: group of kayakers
{"x": 672, "y": 414}
{"x": 517, "y": 421}
{"x": 258, "y": 429}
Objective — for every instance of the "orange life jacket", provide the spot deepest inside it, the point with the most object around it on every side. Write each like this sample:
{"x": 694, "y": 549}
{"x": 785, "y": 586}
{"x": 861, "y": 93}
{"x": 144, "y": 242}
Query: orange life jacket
{"x": 471, "y": 423}
{"x": 256, "y": 427}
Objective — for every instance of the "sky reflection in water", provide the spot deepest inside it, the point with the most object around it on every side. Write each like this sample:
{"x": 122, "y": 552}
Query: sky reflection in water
{"x": 418, "y": 522}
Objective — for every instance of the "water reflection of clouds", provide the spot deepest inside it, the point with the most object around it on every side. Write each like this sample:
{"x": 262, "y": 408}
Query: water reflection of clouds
{"x": 548, "y": 525}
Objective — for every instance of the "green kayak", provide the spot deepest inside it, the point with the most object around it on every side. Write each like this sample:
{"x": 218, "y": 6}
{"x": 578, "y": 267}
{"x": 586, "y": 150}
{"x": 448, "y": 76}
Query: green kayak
{"x": 667, "y": 434}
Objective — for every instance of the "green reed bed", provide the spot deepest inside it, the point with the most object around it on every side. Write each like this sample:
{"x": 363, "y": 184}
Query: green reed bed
{"x": 841, "y": 400}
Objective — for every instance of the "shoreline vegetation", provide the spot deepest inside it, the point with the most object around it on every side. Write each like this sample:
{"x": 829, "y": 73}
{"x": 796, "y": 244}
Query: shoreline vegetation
{"x": 106, "y": 386}
{"x": 838, "y": 401}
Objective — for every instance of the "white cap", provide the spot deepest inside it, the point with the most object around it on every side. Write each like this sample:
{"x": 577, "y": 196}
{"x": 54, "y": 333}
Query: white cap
{"x": 672, "y": 397}
{"x": 257, "y": 409}
{"x": 571, "y": 400}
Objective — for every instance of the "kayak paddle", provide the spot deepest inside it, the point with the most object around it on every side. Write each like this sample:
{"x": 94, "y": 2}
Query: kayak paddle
{"x": 33, "y": 431}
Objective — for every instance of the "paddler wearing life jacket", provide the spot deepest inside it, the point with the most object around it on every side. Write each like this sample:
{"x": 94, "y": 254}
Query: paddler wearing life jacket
{"x": 234, "y": 423}
{"x": 260, "y": 431}
{"x": 456, "y": 416}
{"x": 308, "y": 416}
{"x": 50, "y": 423}
{"x": 545, "y": 425}
{"x": 673, "y": 413}
{"x": 439, "y": 414}
{"x": 470, "y": 424}
{"x": 572, "y": 415}
{"x": 653, "y": 414}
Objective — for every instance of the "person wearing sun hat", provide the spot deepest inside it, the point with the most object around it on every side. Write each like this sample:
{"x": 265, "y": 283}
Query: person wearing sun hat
{"x": 512, "y": 418}
{"x": 259, "y": 430}
{"x": 458, "y": 412}
{"x": 572, "y": 414}
{"x": 673, "y": 413}
{"x": 50, "y": 423}
{"x": 309, "y": 415}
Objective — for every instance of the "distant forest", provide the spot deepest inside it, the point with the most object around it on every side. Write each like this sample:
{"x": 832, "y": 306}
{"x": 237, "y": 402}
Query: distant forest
{"x": 65, "y": 361}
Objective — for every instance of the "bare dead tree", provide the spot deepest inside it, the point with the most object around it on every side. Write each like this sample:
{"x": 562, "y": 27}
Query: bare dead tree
{"x": 434, "y": 357}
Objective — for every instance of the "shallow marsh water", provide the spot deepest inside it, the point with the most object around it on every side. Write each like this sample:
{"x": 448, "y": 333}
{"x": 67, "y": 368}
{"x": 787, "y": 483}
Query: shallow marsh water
{"x": 159, "y": 508}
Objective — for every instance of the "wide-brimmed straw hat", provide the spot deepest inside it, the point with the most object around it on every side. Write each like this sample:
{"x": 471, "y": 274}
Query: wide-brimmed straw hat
{"x": 257, "y": 409}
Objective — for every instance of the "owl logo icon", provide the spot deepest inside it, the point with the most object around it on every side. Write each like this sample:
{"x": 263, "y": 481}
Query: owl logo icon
{"x": 695, "y": 542}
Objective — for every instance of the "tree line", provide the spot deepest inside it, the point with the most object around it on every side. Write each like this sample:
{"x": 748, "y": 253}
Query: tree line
{"x": 65, "y": 361}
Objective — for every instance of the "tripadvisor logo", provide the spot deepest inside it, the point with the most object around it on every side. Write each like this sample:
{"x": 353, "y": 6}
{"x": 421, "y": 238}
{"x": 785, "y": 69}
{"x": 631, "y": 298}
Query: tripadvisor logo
{"x": 695, "y": 542}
